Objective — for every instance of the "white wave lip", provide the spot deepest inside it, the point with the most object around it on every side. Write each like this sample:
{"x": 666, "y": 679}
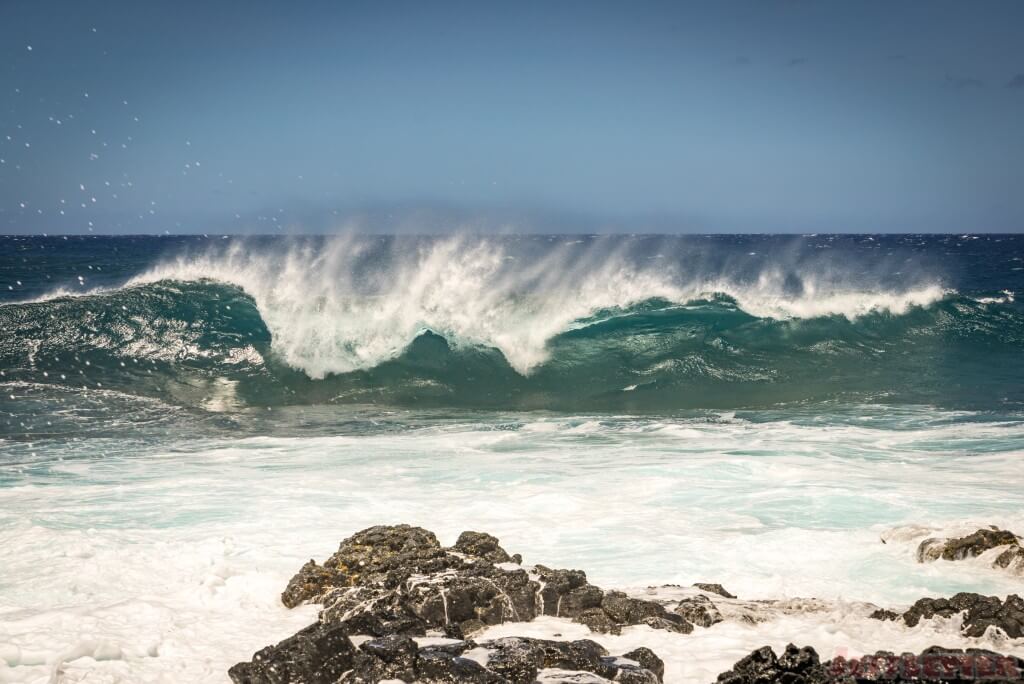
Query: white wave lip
{"x": 324, "y": 319}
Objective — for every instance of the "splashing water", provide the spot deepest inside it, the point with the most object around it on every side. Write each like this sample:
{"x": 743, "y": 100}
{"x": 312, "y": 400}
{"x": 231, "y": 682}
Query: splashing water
{"x": 349, "y": 304}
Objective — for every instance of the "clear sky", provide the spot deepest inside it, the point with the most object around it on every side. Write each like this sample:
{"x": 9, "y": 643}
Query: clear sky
{"x": 718, "y": 116}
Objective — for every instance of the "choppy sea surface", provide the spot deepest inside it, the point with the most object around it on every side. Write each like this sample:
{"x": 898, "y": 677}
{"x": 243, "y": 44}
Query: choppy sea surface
{"x": 184, "y": 421}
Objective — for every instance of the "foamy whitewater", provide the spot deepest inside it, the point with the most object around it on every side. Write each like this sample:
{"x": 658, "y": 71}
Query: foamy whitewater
{"x": 185, "y": 421}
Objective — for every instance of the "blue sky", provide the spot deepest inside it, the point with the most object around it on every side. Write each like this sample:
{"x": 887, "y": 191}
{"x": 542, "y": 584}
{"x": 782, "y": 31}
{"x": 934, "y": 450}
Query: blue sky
{"x": 767, "y": 115}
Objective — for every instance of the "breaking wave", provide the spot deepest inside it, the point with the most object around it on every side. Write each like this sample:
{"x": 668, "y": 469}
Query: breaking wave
{"x": 485, "y": 323}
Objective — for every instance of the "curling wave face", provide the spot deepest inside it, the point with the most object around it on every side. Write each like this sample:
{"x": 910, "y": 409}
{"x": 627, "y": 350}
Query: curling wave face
{"x": 617, "y": 323}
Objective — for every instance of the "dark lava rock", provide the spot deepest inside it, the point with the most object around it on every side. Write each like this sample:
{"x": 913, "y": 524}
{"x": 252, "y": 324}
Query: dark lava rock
{"x": 583, "y": 654}
{"x": 885, "y": 614}
{"x": 578, "y": 600}
{"x": 795, "y": 666}
{"x": 980, "y": 613}
{"x": 516, "y": 659}
{"x": 385, "y": 554}
{"x": 309, "y": 584}
{"x": 627, "y": 610}
{"x": 713, "y": 589}
{"x": 648, "y": 660}
{"x": 1013, "y": 558}
{"x": 482, "y": 545}
{"x": 511, "y": 660}
{"x": 436, "y": 666}
{"x": 397, "y": 582}
{"x": 699, "y": 610}
{"x": 318, "y": 654}
{"x": 565, "y": 592}
{"x": 931, "y": 666}
{"x": 391, "y": 657}
{"x": 596, "y": 620}
{"x": 389, "y": 580}
{"x": 965, "y": 547}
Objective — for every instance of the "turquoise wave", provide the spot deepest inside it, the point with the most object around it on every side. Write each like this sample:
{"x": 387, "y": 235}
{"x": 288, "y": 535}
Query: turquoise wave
{"x": 205, "y": 344}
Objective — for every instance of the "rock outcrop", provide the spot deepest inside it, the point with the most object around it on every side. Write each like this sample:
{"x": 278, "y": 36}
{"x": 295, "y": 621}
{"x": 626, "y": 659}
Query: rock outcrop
{"x": 391, "y": 584}
{"x": 699, "y": 610}
{"x": 975, "y": 544}
{"x": 324, "y": 654}
{"x": 398, "y": 606}
{"x": 979, "y": 613}
{"x": 933, "y": 665}
{"x": 713, "y": 589}
{"x": 400, "y": 580}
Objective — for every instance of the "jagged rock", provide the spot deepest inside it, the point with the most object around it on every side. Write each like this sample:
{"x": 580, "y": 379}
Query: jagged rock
{"x": 578, "y": 600}
{"x": 648, "y": 660}
{"x": 796, "y": 666}
{"x": 438, "y": 666}
{"x": 318, "y": 654}
{"x": 387, "y": 554}
{"x": 396, "y": 582}
{"x": 931, "y": 666}
{"x": 596, "y": 620}
{"x": 583, "y": 654}
{"x": 516, "y": 659}
{"x": 699, "y": 610}
{"x": 308, "y": 584}
{"x": 565, "y": 592}
{"x": 627, "y": 610}
{"x": 972, "y": 545}
{"x": 390, "y": 657}
{"x": 1011, "y": 559}
{"x": 885, "y": 614}
{"x": 713, "y": 589}
{"x": 389, "y": 580}
{"x": 980, "y": 613}
{"x": 482, "y": 545}
{"x": 510, "y": 660}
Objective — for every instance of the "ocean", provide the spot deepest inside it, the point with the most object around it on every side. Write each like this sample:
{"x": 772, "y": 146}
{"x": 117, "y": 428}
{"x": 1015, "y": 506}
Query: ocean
{"x": 186, "y": 420}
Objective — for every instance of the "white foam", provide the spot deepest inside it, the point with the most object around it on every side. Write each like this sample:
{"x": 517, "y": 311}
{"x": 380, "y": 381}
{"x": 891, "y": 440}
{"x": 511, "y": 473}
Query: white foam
{"x": 172, "y": 557}
{"x": 325, "y": 318}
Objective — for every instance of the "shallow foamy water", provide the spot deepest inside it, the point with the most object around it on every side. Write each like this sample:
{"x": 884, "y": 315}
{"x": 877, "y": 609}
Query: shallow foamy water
{"x": 160, "y": 558}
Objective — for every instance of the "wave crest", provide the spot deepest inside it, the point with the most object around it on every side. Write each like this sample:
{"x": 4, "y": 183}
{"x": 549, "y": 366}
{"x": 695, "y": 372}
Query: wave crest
{"x": 350, "y": 303}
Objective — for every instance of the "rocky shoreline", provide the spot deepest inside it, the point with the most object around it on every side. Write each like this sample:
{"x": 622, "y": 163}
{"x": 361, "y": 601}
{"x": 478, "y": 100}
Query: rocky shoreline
{"x": 398, "y": 606}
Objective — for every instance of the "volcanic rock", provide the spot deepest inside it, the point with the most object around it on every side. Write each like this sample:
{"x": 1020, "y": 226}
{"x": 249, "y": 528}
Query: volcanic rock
{"x": 960, "y": 548}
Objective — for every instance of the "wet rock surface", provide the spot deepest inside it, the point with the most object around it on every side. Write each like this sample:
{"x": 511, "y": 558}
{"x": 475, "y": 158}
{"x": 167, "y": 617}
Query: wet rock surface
{"x": 398, "y": 606}
{"x": 713, "y": 589}
{"x": 979, "y": 613}
{"x": 400, "y": 580}
{"x": 803, "y": 666}
{"x": 394, "y": 583}
{"x": 318, "y": 654}
{"x": 510, "y": 660}
{"x": 973, "y": 545}
{"x": 699, "y": 610}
